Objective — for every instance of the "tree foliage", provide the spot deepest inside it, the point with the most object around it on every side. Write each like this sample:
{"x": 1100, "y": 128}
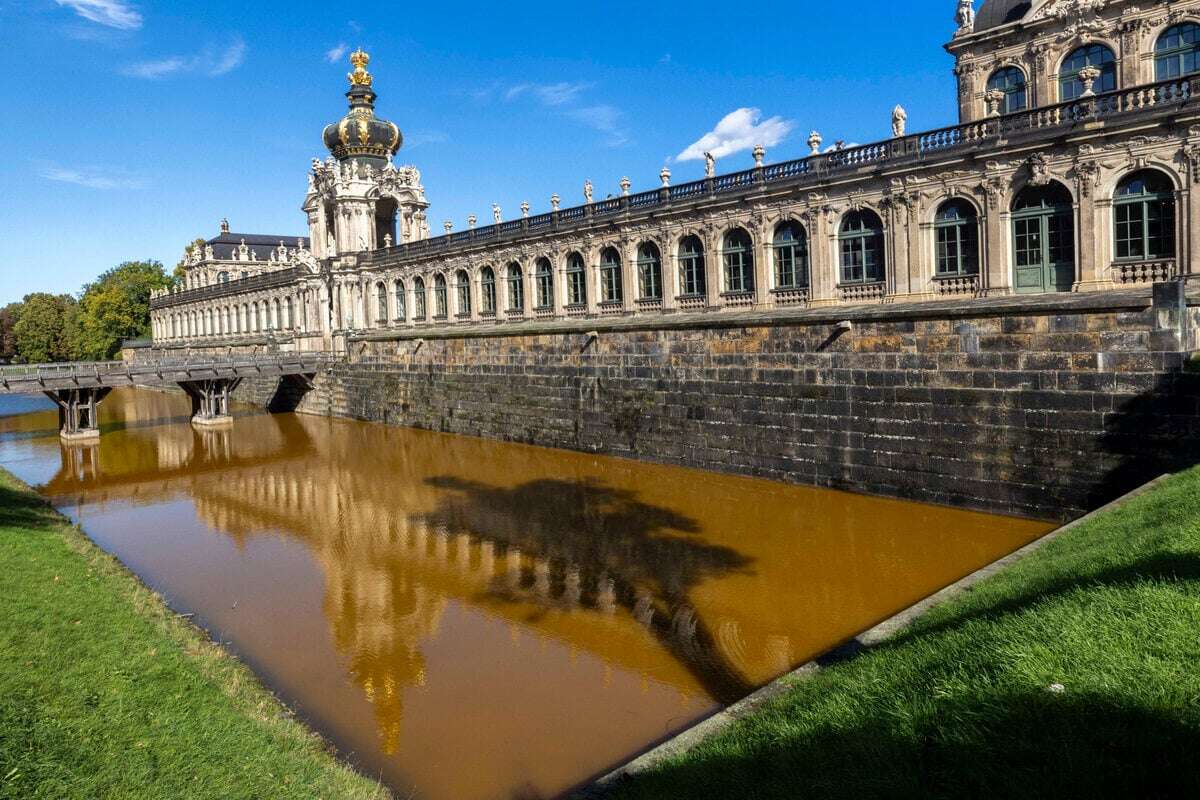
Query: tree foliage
{"x": 40, "y": 330}
{"x": 116, "y": 306}
{"x": 8, "y": 339}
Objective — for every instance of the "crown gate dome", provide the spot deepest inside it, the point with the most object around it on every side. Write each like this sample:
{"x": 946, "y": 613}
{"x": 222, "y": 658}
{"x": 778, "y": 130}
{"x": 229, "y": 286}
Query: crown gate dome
{"x": 360, "y": 134}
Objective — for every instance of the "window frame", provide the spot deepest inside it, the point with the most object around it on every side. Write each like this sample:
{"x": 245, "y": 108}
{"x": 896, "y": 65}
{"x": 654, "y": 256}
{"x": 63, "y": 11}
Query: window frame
{"x": 796, "y": 250}
{"x": 611, "y": 285}
{"x": 965, "y": 241}
{"x": 861, "y": 242}
{"x": 693, "y": 282}
{"x": 737, "y": 261}
{"x": 515, "y": 285}
{"x": 1178, "y": 54}
{"x": 487, "y": 290}
{"x": 1010, "y": 90}
{"x": 543, "y": 273}
{"x": 1145, "y": 201}
{"x": 1108, "y": 71}
{"x": 649, "y": 268}
{"x": 576, "y": 280}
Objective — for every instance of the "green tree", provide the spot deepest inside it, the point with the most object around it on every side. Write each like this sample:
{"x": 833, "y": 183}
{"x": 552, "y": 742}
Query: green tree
{"x": 8, "y": 339}
{"x": 40, "y": 330}
{"x": 116, "y": 307}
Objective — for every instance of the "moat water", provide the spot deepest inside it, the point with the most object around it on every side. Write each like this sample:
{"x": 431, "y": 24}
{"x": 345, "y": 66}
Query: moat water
{"x": 471, "y": 619}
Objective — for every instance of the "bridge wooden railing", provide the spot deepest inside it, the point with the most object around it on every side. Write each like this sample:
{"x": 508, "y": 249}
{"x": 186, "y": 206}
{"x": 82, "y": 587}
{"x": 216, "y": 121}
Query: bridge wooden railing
{"x": 32, "y": 378}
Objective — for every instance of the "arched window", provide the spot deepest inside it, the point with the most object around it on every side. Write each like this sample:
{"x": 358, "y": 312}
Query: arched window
{"x": 487, "y": 290}
{"x": 401, "y": 300}
{"x": 576, "y": 281}
{"x": 1070, "y": 86}
{"x": 956, "y": 227}
{"x": 462, "y": 293}
{"x": 649, "y": 266}
{"x": 222, "y": 277}
{"x": 737, "y": 254}
{"x": 861, "y": 240}
{"x": 790, "y": 246}
{"x": 289, "y": 320}
{"x": 1044, "y": 239}
{"x": 276, "y": 319}
{"x": 516, "y": 288}
{"x": 381, "y": 304}
{"x": 691, "y": 267}
{"x": 610, "y": 276}
{"x": 544, "y": 275}
{"x": 1144, "y": 214}
{"x": 419, "y": 299}
{"x": 1177, "y": 52}
{"x": 440, "y": 299}
{"x": 1011, "y": 81}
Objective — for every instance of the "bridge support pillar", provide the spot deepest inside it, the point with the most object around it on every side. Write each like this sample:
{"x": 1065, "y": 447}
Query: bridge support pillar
{"x": 78, "y": 413}
{"x": 210, "y": 401}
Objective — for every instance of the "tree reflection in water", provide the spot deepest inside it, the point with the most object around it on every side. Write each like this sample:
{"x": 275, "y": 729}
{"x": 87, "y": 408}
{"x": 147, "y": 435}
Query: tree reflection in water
{"x": 596, "y": 547}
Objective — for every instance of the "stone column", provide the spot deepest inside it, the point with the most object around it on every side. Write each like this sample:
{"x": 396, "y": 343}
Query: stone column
{"x": 762, "y": 262}
{"x": 1088, "y": 253}
{"x": 997, "y": 225}
{"x": 822, "y": 257}
{"x": 629, "y": 283}
{"x": 712, "y": 266}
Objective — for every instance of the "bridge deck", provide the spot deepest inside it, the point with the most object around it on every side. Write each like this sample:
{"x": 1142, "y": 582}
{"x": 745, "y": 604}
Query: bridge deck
{"x": 36, "y": 378}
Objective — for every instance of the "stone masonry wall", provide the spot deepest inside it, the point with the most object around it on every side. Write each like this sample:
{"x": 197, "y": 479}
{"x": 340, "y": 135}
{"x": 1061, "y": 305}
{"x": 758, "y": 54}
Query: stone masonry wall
{"x": 1045, "y": 408}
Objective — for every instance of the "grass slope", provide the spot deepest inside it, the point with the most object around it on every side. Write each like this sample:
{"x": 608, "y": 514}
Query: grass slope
{"x": 961, "y": 704}
{"x": 104, "y": 693}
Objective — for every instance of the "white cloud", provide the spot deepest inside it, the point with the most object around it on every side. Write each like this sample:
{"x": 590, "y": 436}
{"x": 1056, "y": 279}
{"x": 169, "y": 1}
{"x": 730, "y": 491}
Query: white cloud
{"x": 90, "y": 177}
{"x": 212, "y": 61}
{"x": 548, "y": 94}
{"x": 421, "y": 138}
{"x": 335, "y": 54}
{"x": 113, "y": 13}
{"x": 738, "y": 131}
{"x": 604, "y": 118}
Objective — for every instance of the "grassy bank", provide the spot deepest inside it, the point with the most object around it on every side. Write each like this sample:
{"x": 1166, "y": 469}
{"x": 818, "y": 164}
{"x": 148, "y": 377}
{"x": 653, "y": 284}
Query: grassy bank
{"x": 104, "y": 693}
{"x": 1075, "y": 673}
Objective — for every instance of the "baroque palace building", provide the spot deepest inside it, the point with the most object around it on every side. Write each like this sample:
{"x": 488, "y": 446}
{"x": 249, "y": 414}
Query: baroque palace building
{"x": 1071, "y": 170}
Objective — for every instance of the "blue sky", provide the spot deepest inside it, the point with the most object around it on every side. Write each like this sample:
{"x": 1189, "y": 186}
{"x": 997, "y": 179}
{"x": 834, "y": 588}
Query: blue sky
{"x": 133, "y": 126}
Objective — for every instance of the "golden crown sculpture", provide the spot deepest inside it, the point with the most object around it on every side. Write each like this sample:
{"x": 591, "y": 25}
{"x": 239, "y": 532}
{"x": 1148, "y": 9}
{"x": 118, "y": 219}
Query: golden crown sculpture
{"x": 360, "y": 76}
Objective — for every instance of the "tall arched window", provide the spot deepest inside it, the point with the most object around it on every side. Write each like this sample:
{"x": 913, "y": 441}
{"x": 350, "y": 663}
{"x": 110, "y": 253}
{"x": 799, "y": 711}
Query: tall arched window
{"x": 516, "y": 288}
{"x": 289, "y": 320}
{"x": 1043, "y": 222}
{"x": 1070, "y": 86}
{"x": 462, "y": 293}
{"x": 610, "y": 276}
{"x": 576, "y": 280}
{"x": 419, "y": 299}
{"x": 440, "y": 300}
{"x": 1177, "y": 52}
{"x": 487, "y": 290}
{"x": 861, "y": 241}
{"x": 737, "y": 253}
{"x": 1011, "y": 81}
{"x": 649, "y": 266}
{"x": 544, "y": 275}
{"x": 1144, "y": 215}
{"x": 691, "y": 266}
{"x": 381, "y": 304}
{"x": 790, "y": 246}
{"x": 401, "y": 300}
{"x": 956, "y": 227}
{"x": 276, "y": 323}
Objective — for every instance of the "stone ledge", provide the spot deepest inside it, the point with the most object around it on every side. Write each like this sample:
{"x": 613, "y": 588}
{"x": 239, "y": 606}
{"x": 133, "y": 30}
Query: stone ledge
{"x": 1138, "y": 299}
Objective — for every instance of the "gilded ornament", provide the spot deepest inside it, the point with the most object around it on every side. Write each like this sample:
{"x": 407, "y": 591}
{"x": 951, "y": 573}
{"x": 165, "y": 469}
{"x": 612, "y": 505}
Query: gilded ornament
{"x": 360, "y": 76}
{"x": 364, "y": 131}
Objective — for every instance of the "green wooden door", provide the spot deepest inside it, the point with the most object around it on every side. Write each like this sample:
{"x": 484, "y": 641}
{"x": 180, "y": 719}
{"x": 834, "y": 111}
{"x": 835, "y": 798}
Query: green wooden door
{"x": 1044, "y": 250}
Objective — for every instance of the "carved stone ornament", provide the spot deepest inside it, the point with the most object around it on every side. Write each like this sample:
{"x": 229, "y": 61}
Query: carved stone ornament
{"x": 1087, "y": 176}
{"x": 1039, "y": 170}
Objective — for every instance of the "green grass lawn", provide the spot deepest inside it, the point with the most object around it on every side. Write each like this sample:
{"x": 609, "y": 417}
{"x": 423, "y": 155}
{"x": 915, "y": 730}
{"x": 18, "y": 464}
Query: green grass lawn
{"x": 1075, "y": 673}
{"x": 104, "y": 693}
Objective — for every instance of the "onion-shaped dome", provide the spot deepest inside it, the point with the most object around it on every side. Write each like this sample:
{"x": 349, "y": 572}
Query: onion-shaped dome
{"x": 360, "y": 134}
{"x": 995, "y": 13}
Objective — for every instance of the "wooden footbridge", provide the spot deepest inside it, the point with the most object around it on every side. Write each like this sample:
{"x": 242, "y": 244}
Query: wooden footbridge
{"x": 79, "y": 388}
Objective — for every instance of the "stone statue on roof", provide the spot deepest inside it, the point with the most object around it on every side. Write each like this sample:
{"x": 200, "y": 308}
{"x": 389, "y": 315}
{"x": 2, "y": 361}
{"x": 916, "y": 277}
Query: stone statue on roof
{"x": 965, "y": 15}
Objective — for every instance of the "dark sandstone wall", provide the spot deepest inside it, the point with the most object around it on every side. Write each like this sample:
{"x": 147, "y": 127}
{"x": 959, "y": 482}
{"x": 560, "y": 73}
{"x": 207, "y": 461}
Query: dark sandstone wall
{"x": 1037, "y": 409}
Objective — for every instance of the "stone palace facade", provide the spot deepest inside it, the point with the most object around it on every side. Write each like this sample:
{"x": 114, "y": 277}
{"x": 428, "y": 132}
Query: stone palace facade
{"x": 1071, "y": 171}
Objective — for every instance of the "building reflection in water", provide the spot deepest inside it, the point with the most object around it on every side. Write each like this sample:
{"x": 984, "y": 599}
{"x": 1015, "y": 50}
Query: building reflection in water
{"x": 643, "y": 596}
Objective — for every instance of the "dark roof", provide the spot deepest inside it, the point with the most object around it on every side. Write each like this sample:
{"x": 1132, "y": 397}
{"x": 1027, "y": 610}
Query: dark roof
{"x": 261, "y": 244}
{"x": 1001, "y": 12}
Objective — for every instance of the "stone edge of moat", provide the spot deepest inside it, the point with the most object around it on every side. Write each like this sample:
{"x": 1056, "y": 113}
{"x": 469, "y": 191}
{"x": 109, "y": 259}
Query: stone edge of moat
{"x": 708, "y": 727}
{"x": 1137, "y": 299}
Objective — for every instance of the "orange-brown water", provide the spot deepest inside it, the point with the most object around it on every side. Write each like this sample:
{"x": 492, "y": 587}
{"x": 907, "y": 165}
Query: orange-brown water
{"x": 472, "y": 619}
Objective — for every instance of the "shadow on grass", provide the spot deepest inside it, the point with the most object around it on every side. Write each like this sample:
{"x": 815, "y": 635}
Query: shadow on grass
{"x": 989, "y": 745}
{"x": 19, "y": 509}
